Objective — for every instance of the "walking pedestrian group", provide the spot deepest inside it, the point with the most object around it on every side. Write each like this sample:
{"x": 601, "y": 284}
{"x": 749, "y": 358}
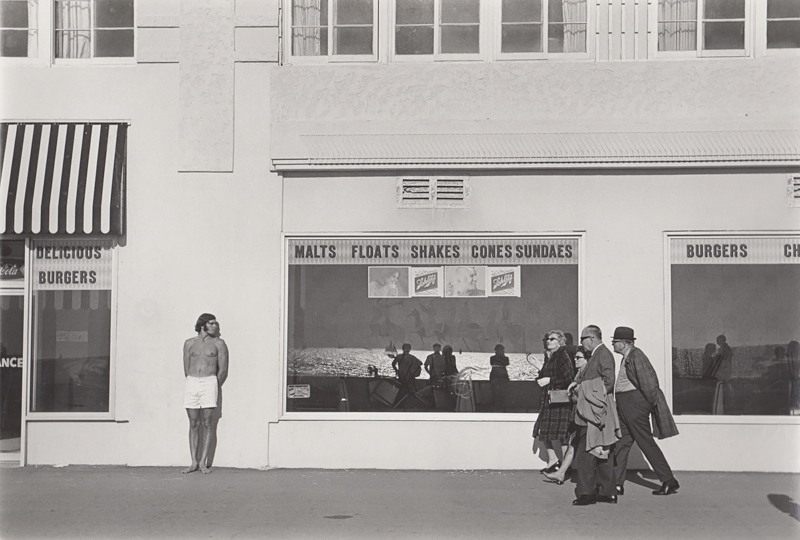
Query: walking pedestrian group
{"x": 596, "y": 417}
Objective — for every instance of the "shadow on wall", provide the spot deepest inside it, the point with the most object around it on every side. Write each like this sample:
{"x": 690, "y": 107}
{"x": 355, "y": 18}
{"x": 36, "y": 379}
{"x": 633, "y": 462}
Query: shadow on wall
{"x": 785, "y": 504}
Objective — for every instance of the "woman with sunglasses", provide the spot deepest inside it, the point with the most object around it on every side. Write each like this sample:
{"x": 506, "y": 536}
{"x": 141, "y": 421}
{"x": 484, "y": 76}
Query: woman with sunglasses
{"x": 558, "y": 477}
{"x": 553, "y": 423}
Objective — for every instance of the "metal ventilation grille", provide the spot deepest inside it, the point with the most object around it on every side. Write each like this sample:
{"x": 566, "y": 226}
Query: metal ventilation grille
{"x": 451, "y": 192}
{"x": 793, "y": 191}
{"x": 432, "y": 192}
{"x": 415, "y": 193}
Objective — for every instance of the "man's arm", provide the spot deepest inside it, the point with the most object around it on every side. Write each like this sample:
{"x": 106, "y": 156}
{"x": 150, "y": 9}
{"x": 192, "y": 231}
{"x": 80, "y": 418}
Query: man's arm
{"x": 187, "y": 347}
{"x": 607, "y": 372}
{"x": 222, "y": 366}
{"x": 428, "y": 362}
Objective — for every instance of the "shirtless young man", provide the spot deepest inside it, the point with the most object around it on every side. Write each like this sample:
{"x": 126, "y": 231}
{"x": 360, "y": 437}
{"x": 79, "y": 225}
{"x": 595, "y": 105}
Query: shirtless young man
{"x": 205, "y": 365}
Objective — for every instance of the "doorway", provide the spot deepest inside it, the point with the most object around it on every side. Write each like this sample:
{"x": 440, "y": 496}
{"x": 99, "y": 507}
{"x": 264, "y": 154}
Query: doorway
{"x": 11, "y": 368}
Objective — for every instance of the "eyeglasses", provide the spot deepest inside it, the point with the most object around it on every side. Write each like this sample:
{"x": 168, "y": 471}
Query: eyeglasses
{"x": 552, "y": 339}
{"x": 616, "y": 341}
{"x": 580, "y": 358}
{"x": 585, "y": 337}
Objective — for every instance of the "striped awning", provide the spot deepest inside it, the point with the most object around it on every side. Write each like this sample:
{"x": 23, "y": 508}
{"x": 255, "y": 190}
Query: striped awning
{"x": 62, "y": 178}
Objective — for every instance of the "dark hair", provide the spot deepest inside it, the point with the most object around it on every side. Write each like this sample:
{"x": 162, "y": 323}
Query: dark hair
{"x": 202, "y": 320}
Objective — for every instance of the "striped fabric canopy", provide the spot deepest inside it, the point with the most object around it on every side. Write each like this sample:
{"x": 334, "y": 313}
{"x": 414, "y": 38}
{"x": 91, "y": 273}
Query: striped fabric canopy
{"x": 62, "y": 178}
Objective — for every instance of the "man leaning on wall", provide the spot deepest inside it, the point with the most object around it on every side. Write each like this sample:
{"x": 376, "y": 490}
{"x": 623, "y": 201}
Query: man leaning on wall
{"x": 205, "y": 366}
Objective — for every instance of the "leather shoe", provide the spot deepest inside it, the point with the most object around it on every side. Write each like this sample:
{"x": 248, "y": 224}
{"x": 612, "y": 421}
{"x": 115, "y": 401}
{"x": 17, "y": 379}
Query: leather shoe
{"x": 584, "y": 500}
{"x": 607, "y": 499}
{"x": 620, "y": 490}
{"x": 667, "y": 488}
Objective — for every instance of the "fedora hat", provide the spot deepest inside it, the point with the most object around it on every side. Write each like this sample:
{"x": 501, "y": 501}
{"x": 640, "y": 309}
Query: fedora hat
{"x": 623, "y": 332}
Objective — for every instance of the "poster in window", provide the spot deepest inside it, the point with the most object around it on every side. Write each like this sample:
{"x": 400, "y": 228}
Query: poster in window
{"x": 504, "y": 281}
{"x": 461, "y": 281}
{"x": 427, "y": 281}
{"x": 388, "y": 282}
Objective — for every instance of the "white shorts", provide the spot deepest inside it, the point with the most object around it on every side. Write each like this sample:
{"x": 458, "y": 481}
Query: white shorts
{"x": 201, "y": 392}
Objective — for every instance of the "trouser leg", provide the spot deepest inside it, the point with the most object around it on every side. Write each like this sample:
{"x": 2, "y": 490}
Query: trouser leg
{"x": 636, "y": 413}
{"x": 584, "y": 465}
{"x": 623, "y": 446}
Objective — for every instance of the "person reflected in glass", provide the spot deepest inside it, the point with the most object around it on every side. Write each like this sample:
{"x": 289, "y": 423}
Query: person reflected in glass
{"x": 552, "y": 426}
{"x": 498, "y": 377}
{"x": 793, "y": 359}
{"x": 407, "y": 368}
{"x": 558, "y": 476}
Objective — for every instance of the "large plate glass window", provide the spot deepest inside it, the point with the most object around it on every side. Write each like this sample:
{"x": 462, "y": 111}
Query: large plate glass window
{"x": 543, "y": 26}
{"x": 735, "y": 325}
{"x": 708, "y": 27}
{"x": 19, "y": 28}
{"x": 72, "y": 309}
{"x": 437, "y": 27}
{"x": 334, "y": 28}
{"x": 93, "y": 28}
{"x": 353, "y": 302}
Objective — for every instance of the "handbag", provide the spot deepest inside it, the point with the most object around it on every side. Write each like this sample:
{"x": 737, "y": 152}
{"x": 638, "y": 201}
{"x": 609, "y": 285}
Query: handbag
{"x": 558, "y": 396}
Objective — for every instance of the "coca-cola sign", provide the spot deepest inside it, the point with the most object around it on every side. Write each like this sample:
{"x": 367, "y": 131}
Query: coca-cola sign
{"x": 12, "y": 261}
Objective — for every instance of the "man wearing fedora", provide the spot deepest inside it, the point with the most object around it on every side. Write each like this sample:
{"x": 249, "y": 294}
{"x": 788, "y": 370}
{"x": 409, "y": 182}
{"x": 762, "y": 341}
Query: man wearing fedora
{"x": 639, "y": 397}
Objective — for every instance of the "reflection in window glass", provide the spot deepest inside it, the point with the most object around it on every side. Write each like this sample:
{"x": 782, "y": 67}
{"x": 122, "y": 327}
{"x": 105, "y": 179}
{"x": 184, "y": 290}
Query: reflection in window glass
{"x": 353, "y": 27}
{"x": 11, "y": 362}
{"x": 783, "y": 24}
{"x": 735, "y": 332}
{"x": 521, "y": 26}
{"x": 340, "y": 338}
{"x": 352, "y": 24}
{"x": 414, "y": 27}
{"x": 72, "y": 351}
{"x": 460, "y": 29}
{"x": 723, "y": 24}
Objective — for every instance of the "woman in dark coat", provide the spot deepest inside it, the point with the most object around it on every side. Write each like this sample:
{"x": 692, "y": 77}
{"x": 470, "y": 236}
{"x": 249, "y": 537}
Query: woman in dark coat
{"x": 552, "y": 426}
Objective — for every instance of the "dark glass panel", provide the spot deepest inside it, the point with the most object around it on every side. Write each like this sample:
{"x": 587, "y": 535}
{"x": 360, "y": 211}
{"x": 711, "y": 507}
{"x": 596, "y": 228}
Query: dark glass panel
{"x": 413, "y": 40}
{"x": 520, "y": 38}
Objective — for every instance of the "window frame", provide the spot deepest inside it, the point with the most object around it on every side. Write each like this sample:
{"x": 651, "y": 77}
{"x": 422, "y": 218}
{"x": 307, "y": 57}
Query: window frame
{"x": 330, "y": 57}
{"x": 699, "y": 51}
{"x": 761, "y": 24}
{"x": 103, "y": 60}
{"x": 110, "y": 415}
{"x": 484, "y": 26}
{"x": 46, "y": 43}
{"x": 699, "y": 419}
{"x": 497, "y": 28}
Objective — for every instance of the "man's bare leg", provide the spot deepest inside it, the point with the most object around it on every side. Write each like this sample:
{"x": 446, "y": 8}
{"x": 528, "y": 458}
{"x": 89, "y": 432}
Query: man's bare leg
{"x": 194, "y": 429}
{"x": 207, "y": 416}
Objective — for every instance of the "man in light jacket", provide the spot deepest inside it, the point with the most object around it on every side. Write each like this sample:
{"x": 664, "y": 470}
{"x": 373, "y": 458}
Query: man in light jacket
{"x": 638, "y": 397}
{"x": 593, "y": 471}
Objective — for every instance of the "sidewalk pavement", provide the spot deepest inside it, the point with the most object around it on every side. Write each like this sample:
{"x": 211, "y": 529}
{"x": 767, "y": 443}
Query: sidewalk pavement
{"x": 160, "y": 502}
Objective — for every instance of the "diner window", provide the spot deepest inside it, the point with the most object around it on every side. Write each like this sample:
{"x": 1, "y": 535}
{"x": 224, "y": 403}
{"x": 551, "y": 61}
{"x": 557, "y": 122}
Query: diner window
{"x": 93, "y": 28}
{"x": 783, "y": 24}
{"x": 334, "y": 28}
{"x": 735, "y": 325}
{"x": 704, "y": 26}
{"x": 437, "y": 27}
{"x": 19, "y": 28}
{"x": 72, "y": 311}
{"x": 543, "y": 26}
{"x": 353, "y": 302}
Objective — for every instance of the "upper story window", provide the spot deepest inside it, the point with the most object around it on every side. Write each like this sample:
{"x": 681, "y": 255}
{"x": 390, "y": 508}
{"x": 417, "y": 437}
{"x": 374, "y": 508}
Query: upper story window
{"x": 714, "y": 27}
{"x": 93, "y": 28}
{"x": 543, "y": 26}
{"x": 67, "y": 29}
{"x": 334, "y": 28}
{"x": 19, "y": 28}
{"x": 437, "y": 27}
{"x": 783, "y": 24}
